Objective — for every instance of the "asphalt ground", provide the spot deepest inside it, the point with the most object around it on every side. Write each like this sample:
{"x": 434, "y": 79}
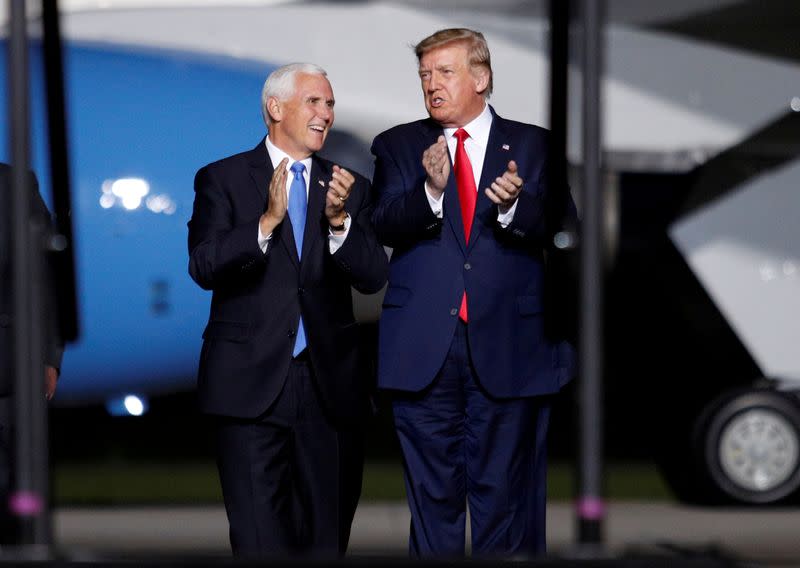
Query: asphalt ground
{"x": 758, "y": 537}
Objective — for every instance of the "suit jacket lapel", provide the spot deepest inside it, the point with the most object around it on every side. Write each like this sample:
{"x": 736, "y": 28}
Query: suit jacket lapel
{"x": 494, "y": 164}
{"x": 261, "y": 171}
{"x": 452, "y": 206}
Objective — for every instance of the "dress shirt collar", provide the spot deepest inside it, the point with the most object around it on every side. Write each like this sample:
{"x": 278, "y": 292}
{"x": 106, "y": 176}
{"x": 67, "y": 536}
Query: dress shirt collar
{"x": 478, "y": 129}
{"x": 276, "y": 155}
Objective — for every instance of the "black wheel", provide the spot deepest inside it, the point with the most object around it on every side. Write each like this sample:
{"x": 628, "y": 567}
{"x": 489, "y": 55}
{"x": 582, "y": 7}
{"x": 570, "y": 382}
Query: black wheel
{"x": 751, "y": 446}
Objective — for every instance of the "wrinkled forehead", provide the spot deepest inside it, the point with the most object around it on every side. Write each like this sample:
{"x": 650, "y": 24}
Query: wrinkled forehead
{"x": 307, "y": 85}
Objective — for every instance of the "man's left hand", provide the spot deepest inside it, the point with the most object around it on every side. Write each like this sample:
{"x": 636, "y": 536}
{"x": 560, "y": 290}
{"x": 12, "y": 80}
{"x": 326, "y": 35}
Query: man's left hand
{"x": 50, "y": 380}
{"x": 505, "y": 189}
{"x": 339, "y": 189}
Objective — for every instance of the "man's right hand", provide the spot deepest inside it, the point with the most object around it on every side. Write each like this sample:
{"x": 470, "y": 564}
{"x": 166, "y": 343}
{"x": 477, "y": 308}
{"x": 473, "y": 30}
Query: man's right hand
{"x": 50, "y": 381}
{"x": 436, "y": 161}
{"x": 276, "y": 208}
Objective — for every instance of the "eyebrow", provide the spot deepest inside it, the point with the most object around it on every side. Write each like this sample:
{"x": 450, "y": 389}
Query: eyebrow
{"x": 438, "y": 67}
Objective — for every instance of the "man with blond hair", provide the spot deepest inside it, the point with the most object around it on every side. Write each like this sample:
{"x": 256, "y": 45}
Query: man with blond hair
{"x": 465, "y": 200}
{"x": 280, "y": 236}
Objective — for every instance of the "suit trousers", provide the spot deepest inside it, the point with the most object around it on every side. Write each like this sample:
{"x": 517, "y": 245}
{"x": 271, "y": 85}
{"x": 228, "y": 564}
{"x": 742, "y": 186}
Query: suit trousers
{"x": 462, "y": 448}
{"x": 290, "y": 479}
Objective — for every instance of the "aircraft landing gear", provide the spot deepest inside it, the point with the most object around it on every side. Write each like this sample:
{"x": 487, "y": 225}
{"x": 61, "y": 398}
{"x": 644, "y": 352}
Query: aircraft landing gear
{"x": 749, "y": 445}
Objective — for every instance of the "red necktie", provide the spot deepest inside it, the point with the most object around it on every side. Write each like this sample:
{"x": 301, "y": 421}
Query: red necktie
{"x": 467, "y": 196}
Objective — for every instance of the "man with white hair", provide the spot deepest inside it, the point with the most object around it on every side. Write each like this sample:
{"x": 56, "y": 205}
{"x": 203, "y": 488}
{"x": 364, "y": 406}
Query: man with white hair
{"x": 280, "y": 235}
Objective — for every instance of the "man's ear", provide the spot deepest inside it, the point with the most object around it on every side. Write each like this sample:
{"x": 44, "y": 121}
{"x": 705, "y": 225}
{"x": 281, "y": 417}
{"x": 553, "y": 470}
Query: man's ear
{"x": 275, "y": 109}
{"x": 481, "y": 75}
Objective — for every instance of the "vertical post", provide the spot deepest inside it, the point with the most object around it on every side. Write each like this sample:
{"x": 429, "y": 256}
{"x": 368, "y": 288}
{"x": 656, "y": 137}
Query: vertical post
{"x": 590, "y": 506}
{"x": 559, "y": 61}
{"x": 28, "y": 499}
{"x": 61, "y": 248}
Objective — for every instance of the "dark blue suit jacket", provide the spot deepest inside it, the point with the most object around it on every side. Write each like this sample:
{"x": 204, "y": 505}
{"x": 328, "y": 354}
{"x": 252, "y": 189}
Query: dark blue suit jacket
{"x": 258, "y": 298}
{"x": 501, "y": 269}
{"x": 53, "y": 347}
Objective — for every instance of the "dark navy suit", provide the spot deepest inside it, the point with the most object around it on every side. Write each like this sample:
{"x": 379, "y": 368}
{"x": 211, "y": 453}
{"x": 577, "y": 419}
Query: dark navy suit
{"x": 288, "y": 429}
{"x": 53, "y": 346}
{"x": 495, "y": 457}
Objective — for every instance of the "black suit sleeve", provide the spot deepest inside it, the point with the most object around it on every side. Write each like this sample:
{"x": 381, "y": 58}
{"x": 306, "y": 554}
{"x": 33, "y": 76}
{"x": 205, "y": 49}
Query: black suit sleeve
{"x": 361, "y": 256}
{"x": 403, "y": 215}
{"x": 218, "y": 249}
{"x": 54, "y": 346}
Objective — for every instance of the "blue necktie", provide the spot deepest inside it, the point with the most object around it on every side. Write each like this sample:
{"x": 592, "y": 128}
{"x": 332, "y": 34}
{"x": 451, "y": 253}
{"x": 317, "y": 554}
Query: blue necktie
{"x": 297, "y": 214}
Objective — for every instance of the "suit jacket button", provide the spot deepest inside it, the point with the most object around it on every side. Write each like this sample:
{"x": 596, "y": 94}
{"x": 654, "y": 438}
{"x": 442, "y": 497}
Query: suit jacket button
{"x": 301, "y": 291}
{"x": 290, "y": 333}
{"x": 467, "y": 266}
{"x": 454, "y": 312}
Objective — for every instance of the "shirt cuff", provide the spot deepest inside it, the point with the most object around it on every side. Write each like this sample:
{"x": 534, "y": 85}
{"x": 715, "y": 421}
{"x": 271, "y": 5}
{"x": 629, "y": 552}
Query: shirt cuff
{"x": 506, "y": 218}
{"x": 436, "y": 204}
{"x": 336, "y": 241}
{"x": 263, "y": 242}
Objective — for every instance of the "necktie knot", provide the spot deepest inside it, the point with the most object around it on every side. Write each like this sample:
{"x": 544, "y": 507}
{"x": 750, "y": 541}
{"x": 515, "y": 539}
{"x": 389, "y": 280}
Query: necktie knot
{"x": 297, "y": 169}
{"x": 461, "y": 135}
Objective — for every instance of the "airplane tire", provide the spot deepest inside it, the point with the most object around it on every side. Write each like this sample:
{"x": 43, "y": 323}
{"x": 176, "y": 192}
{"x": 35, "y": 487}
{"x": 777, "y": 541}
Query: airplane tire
{"x": 751, "y": 446}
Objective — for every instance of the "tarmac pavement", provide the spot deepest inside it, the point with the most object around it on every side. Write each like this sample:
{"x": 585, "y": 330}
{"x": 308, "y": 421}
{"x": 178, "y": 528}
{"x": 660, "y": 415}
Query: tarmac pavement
{"x": 761, "y": 536}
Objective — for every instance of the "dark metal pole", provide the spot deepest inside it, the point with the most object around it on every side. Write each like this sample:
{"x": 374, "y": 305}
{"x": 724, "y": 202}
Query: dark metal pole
{"x": 590, "y": 504}
{"x": 559, "y": 63}
{"x": 28, "y": 500}
{"x": 61, "y": 247}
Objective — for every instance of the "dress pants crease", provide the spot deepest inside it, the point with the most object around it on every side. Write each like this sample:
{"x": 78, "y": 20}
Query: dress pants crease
{"x": 461, "y": 445}
{"x": 281, "y": 472}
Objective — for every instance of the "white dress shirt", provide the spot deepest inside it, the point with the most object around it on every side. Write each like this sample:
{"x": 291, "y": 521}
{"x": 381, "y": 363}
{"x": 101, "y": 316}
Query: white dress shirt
{"x": 276, "y": 155}
{"x": 475, "y": 147}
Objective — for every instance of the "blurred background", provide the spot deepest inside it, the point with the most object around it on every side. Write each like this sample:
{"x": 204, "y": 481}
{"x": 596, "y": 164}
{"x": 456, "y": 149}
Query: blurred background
{"x": 701, "y": 136}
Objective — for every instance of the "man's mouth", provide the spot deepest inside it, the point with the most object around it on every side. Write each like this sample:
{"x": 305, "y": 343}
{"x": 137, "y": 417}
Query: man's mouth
{"x": 317, "y": 128}
{"x": 436, "y": 102}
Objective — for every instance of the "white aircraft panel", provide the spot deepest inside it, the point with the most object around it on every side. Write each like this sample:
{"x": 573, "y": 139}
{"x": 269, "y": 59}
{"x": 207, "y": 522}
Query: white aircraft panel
{"x": 745, "y": 250}
{"x": 662, "y": 93}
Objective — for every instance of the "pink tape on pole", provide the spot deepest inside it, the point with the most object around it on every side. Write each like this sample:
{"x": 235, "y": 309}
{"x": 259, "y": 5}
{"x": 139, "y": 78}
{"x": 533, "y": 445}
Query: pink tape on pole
{"x": 591, "y": 508}
{"x": 25, "y": 503}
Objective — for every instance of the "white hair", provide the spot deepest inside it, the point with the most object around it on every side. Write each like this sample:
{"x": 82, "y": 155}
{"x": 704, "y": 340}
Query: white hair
{"x": 281, "y": 83}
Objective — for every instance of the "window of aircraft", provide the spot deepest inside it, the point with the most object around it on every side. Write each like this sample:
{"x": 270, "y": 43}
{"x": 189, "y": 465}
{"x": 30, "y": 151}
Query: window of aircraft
{"x": 128, "y": 405}
{"x": 128, "y": 191}
{"x": 131, "y": 193}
